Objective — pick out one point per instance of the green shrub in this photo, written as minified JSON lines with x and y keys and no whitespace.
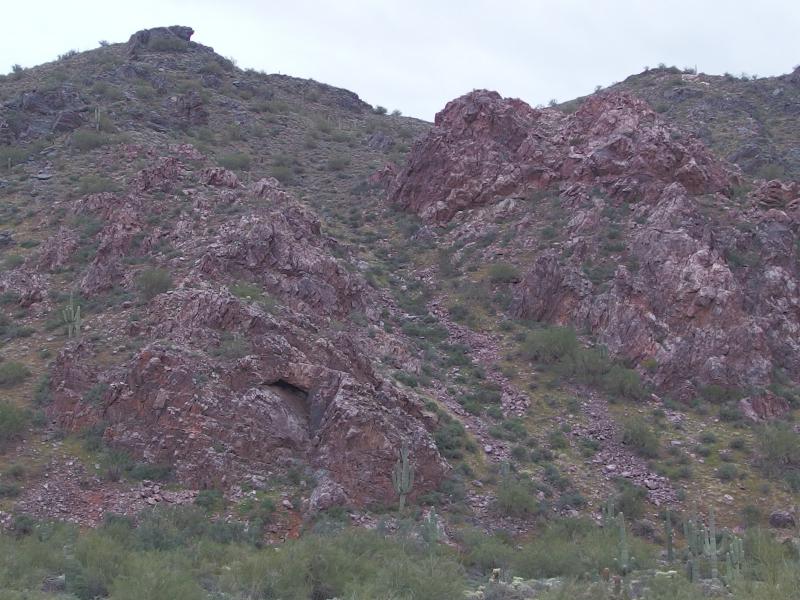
{"x":93,"y":184}
{"x":338,"y":163}
{"x":89,"y":139}
{"x":503,"y":273}
{"x":210,"y":500}
{"x":640,"y":436}
{"x":624,"y":383}
{"x":235,"y":160}
{"x":153,"y":282}
{"x":13,"y":421}
{"x":550,"y":345}
{"x":486,"y":552}
{"x":575,"y":548}
{"x":12,"y":373}
{"x":516,"y":498}
{"x":150,"y":576}
{"x":779,"y":447}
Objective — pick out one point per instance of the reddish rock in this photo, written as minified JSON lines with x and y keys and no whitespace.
{"x":219,"y":177}
{"x":764,"y":407}
{"x":58,"y":250}
{"x":777,"y":194}
{"x":679,"y":289}
{"x":280,"y":245}
{"x":484,"y":147}
{"x":159,"y":177}
{"x":219,"y":420}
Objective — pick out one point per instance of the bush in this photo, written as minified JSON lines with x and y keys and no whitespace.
{"x":12,"y":373}
{"x":87,"y":139}
{"x":13,"y":421}
{"x":550,"y":345}
{"x":638,"y":435}
{"x":93,"y":184}
{"x":153,"y":282}
{"x":235,"y":160}
{"x":779,"y":447}
{"x":486,"y":552}
{"x":516,"y":498}
{"x":727,"y":472}
{"x":576,"y":548}
{"x":624,"y":383}
{"x":503,"y":273}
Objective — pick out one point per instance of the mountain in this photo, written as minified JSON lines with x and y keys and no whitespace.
{"x":260,"y":296}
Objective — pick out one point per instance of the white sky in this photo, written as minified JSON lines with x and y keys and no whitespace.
{"x":415,"y":55}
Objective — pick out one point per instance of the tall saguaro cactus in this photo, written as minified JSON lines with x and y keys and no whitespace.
{"x":403,"y":476}
{"x":668,"y":535}
{"x":710,"y":545}
{"x":72,"y":318}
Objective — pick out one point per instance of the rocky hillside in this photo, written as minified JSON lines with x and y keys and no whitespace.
{"x":748,"y":120}
{"x":283,"y":291}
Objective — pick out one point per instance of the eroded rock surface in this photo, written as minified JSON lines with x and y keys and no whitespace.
{"x":650,"y":257}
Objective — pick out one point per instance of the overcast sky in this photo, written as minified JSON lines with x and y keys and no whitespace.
{"x":415,"y":55}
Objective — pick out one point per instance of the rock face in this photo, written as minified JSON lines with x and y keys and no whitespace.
{"x":159,"y":38}
{"x":484,"y":148}
{"x":34,"y":114}
{"x":266,"y":399}
{"x":226,"y":387}
{"x":649,"y":256}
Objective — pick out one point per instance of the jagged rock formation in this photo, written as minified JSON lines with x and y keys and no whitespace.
{"x":678,"y":293}
{"x":223,"y":389}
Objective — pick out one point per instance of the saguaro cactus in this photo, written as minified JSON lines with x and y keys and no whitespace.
{"x":403,"y":476}
{"x":72,"y":318}
{"x":710,"y":545}
{"x":668,"y":535}
{"x":624,"y":560}
{"x":608,"y":513}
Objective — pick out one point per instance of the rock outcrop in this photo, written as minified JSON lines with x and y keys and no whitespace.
{"x":485,"y":148}
{"x":650,"y":258}
{"x":229,"y":391}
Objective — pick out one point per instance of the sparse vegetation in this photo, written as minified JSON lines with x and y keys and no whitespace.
{"x":153,"y":282}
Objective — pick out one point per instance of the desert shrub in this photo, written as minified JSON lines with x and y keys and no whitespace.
{"x":486,"y":552}
{"x":575,"y":548}
{"x":503,"y":273}
{"x":88,"y":139}
{"x":210,"y":500}
{"x":232,"y":347}
{"x":630,"y":499}
{"x":551,"y":344}
{"x":779,"y":449}
{"x":623,"y":382}
{"x":235,"y":160}
{"x":727,"y":472}
{"x":451,"y":437}
{"x":94,"y":395}
{"x":338,"y":163}
{"x":354,"y":563}
{"x":380,"y":110}
{"x":12,"y":155}
{"x":516,"y":497}
{"x":153,"y":282}
{"x":12,"y":373}
{"x":718,"y":394}
{"x":637,"y":434}
{"x":151,"y":576}
{"x":93,"y":184}
{"x":149,"y":471}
